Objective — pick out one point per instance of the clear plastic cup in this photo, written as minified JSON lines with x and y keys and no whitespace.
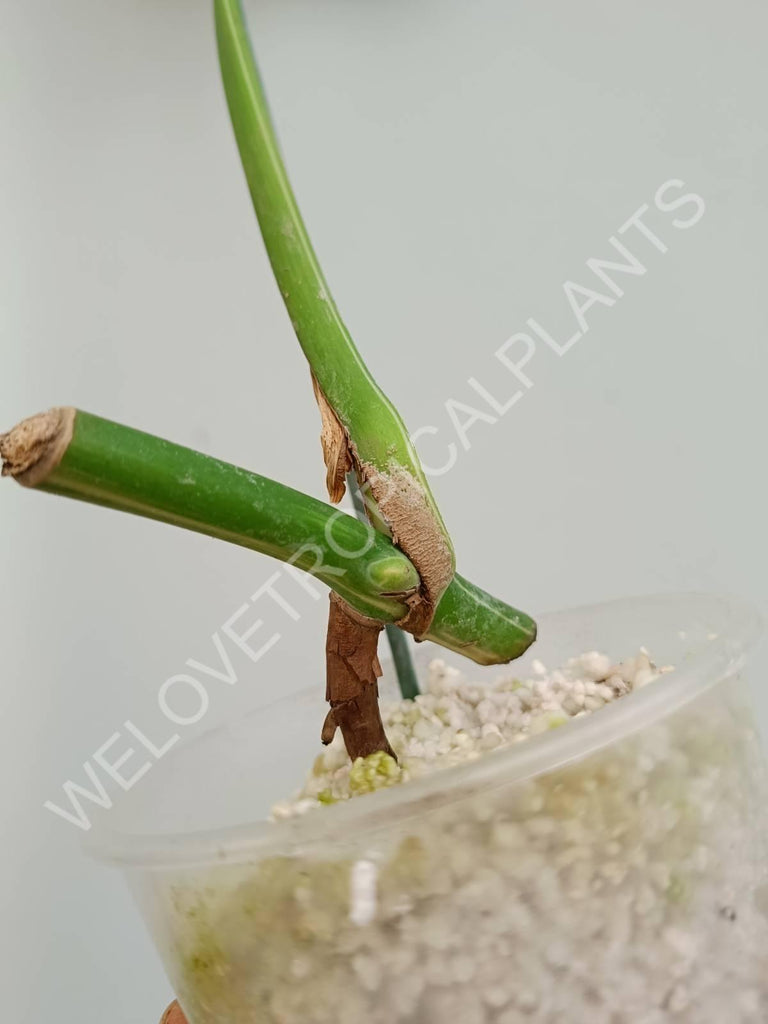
{"x":611,"y":871}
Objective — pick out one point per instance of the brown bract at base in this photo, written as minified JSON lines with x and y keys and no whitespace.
{"x":403,"y":505}
{"x":352,"y":687}
{"x":336,"y":454}
{"x":35,"y":447}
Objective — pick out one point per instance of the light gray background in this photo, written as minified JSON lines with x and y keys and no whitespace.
{"x":457,"y":163}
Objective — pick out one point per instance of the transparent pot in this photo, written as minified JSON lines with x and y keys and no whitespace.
{"x":611,"y":871}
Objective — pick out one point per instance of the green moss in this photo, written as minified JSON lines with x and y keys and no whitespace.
{"x":377,"y":771}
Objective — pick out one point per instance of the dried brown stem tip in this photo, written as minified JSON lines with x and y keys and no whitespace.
{"x":352,"y":689}
{"x":35,"y":447}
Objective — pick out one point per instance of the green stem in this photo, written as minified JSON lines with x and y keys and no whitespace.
{"x":380,"y":438}
{"x":399,"y":644}
{"x":125,"y":469}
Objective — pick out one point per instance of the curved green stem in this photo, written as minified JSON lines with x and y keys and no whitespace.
{"x":370,"y":420}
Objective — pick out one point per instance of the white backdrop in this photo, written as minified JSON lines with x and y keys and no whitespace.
{"x":457,"y":163}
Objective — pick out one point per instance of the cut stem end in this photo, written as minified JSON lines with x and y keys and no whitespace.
{"x":35,"y":447}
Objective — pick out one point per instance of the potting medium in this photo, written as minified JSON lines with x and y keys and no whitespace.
{"x":569,"y":840}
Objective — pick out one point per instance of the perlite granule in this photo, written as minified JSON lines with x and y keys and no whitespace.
{"x":628,"y":887}
{"x":457,"y":721}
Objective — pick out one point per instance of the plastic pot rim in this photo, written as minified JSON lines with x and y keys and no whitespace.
{"x":326,"y":828}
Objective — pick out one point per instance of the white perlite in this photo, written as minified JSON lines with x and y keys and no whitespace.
{"x":628,"y":888}
{"x":457,"y":721}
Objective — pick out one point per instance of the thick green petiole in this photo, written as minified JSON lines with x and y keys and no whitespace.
{"x":372,"y":435}
{"x":82,"y":456}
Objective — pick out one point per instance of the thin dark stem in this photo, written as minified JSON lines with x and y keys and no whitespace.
{"x":398,"y":642}
{"x":401,"y":656}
